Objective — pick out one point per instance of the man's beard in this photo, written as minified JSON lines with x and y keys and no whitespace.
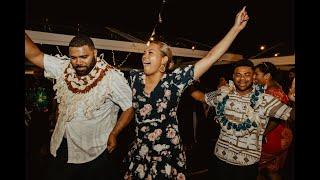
{"x":243,"y":90}
{"x":85,"y":70}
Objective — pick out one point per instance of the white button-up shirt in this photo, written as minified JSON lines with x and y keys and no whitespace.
{"x":86,"y":119}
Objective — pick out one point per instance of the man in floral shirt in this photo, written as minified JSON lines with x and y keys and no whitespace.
{"x":90,"y":93}
{"x":242,"y":111}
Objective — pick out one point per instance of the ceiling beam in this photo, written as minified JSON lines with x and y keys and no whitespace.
{"x":286,"y":68}
{"x":283,"y":62}
{"x":107,"y":44}
{"x":278,"y":61}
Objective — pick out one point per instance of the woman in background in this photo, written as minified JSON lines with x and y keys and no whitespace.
{"x":278,"y":135}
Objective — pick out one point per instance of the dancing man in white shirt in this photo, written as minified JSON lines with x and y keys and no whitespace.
{"x":90,"y":93}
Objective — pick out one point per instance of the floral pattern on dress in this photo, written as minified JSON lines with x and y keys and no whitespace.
{"x":157,"y":152}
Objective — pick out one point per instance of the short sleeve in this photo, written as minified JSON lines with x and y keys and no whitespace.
{"x":54,"y":66}
{"x":183,"y":77}
{"x":275,"y":108}
{"x":121,"y":93}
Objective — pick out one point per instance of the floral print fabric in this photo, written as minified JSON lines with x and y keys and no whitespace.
{"x":157,"y":152}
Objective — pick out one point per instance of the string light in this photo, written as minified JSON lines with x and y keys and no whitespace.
{"x":49,"y":28}
{"x":160,"y":19}
{"x":125,"y":59}
{"x":262,"y":48}
{"x":113,"y":59}
{"x":78,"y":29}
{"x":151,"y":37}
{"x":193,"y":47}
{"x":158,"y":22}
{"x":276,"y":54}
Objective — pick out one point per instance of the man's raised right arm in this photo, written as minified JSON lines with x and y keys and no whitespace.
{"x":32,"y":52}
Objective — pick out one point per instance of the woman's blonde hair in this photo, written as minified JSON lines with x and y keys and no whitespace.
{"x":166,"y":51}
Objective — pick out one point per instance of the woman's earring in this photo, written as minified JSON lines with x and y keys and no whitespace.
{"x":162,"y":68}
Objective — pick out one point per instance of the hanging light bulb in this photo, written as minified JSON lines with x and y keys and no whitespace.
{"x":153,"y":32}
{"x":193,"y":47}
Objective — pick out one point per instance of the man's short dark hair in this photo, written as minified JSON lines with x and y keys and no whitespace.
{"x":243,"y":62}
{"x":81,"y":40}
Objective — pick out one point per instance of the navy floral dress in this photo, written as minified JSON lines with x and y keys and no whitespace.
{"x":157,"y":152}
